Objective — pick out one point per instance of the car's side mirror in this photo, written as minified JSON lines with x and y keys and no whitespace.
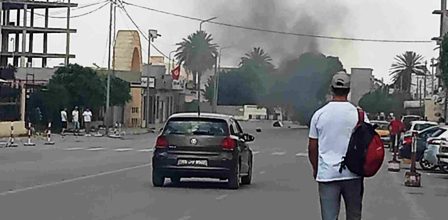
{"x":248,"y":137}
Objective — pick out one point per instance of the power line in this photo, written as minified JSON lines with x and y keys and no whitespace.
{"x":76,"y":16}
{"x":279,"y":32}
{"x":139,"y":30}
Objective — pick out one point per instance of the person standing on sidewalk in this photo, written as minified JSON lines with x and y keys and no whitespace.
{"x":87,"y":114}
{"x":396,"y":126}
{"x":75,"y":120}
{"x":64,"y":121}
{"x":330,"y":131}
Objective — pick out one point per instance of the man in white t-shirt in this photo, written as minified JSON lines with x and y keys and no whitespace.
{"x":330,"y":131}
{"x":75,"y":120}
{"x":87,"y":114}
{"x":64,"y":121}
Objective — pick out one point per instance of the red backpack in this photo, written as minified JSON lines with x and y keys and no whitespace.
{"x":365,"y":153}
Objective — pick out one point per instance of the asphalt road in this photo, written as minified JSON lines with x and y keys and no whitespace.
{"x":102,"y":178}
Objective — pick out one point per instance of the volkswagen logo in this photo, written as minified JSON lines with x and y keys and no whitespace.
{"x":194,"y":141}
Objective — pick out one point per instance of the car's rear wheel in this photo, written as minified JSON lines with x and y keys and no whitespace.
{"x":234,"y":178}
{"x":157,"y":179}
{"x":444,"y":168}
{"x":426,"y":165}
{"x":246,"y":180}
{"x":175,"y":179}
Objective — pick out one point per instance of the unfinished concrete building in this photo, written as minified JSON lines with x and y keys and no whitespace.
{"x":18,"y":19}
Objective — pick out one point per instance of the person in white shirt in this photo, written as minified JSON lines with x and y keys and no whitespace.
{"x":64,"y":121}
{"x":330,"y":131}
{"x":87,"y":114}
{"x":75,"y":120}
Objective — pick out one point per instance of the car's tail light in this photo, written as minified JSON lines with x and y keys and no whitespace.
{"x":434,"y":141}
{"x":161,"y":142}
{"x":228,"y":143}
{"x":407,"y":140}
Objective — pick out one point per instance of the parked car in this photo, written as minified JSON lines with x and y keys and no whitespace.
{"x":442,"y":156}
{"x":407,"y":119}
{"x":422,"y":142}
{"x":382,"y":128}
{"x":208,"y":146}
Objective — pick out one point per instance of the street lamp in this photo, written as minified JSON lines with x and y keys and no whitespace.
{"x":152,"y":35}
{"x":205,"y":21}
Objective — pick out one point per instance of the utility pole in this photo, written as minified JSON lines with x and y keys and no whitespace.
{"x":67,"y":46}
{"x":152,"y":34}
{"x":107,"y":118}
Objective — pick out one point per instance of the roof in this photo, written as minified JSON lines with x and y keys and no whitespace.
{"x":424,"y":122}
{"x":202,"y":115}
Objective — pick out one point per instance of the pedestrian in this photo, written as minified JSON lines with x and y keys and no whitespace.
{"x":330,"y":131}
{"x":396,"y":126}
{"x":87,"y":114}
{"x":75,"y":120}
{"x":64,"y":121}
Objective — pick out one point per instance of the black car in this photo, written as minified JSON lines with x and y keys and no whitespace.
{"x":206,"y":146}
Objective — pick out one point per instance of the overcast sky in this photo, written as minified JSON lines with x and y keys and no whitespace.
{"x":377,"y":19}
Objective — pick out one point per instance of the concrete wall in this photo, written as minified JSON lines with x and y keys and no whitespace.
{"x":19,"y":128}
{"x":133,"y":109}
{"x":255,"y":112}
{"x":361,"y":83}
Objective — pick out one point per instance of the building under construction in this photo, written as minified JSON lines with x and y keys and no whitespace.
{"x":18,"y":19}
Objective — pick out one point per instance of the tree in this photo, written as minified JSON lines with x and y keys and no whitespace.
{"x":75,"y":85}
{"x":259,"y":58}
{"x":405,"y":65}
{"x":381,"y":101}
{"x":197,"y":53}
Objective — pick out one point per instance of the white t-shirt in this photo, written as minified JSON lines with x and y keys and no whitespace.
{"x":87,"y":116}
{"x":63,"y":116}
{"x":333,"y":125}
{"x":75,"y":115}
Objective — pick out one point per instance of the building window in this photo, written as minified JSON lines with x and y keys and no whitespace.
{"x":134,"y":122}
{"x":134,"y":109}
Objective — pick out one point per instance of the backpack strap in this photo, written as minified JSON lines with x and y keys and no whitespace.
{"x":360,"y":116}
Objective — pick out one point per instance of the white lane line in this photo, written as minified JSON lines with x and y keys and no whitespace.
{"x":221,"y":197}
{"x":255,"y":152}
{"x":96,"y":149}
{"x":262,"y":172}
{"x":74,"y":148}
{"x":185,"y":217}
{"x":302,"y":154}
{"x":279,"y":153}
{"x":123,"y":149}
{"x":146,"y":150}
{"x":73,"y":180}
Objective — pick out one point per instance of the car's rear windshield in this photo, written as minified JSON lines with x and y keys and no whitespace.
{"x":419,"y":127}
{"x":438,"y":132}
{"x":196,"y":126}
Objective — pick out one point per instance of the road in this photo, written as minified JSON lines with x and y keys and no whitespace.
{"x":102,"y":178}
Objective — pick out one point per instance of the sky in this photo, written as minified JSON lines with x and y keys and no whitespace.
{"x":373,"y":19}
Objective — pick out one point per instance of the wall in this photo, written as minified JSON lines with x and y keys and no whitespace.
{"x":133,"y":109}
{"x":361,"y":83}
{"x":255,"y":112}
{"x":19,"y":128}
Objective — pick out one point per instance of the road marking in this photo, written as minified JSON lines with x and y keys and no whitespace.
{"x":74,"y":148}
{"x":302,"y":154}
{"x":123,"y":149}
{"x":262,"y":172}
{"x":221,"y":197}
{"x":73,"y":180}
{"x":279,"y":153}
{"x":255,"y":152}
{"x":96,"y":149}
{"x":185,"y":217}
{"x":146,"y":150}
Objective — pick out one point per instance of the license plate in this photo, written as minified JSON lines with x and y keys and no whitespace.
{"x":187,"y":162}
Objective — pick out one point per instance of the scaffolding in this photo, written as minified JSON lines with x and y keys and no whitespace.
{"x":22,"y":30}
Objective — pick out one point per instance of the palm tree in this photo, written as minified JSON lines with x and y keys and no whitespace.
{"x":405,"y":65}
{"x":257,"y":57}
{"x":197,"y":53}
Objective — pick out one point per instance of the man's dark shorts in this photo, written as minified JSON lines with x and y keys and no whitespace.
{"x":64,"y":124}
